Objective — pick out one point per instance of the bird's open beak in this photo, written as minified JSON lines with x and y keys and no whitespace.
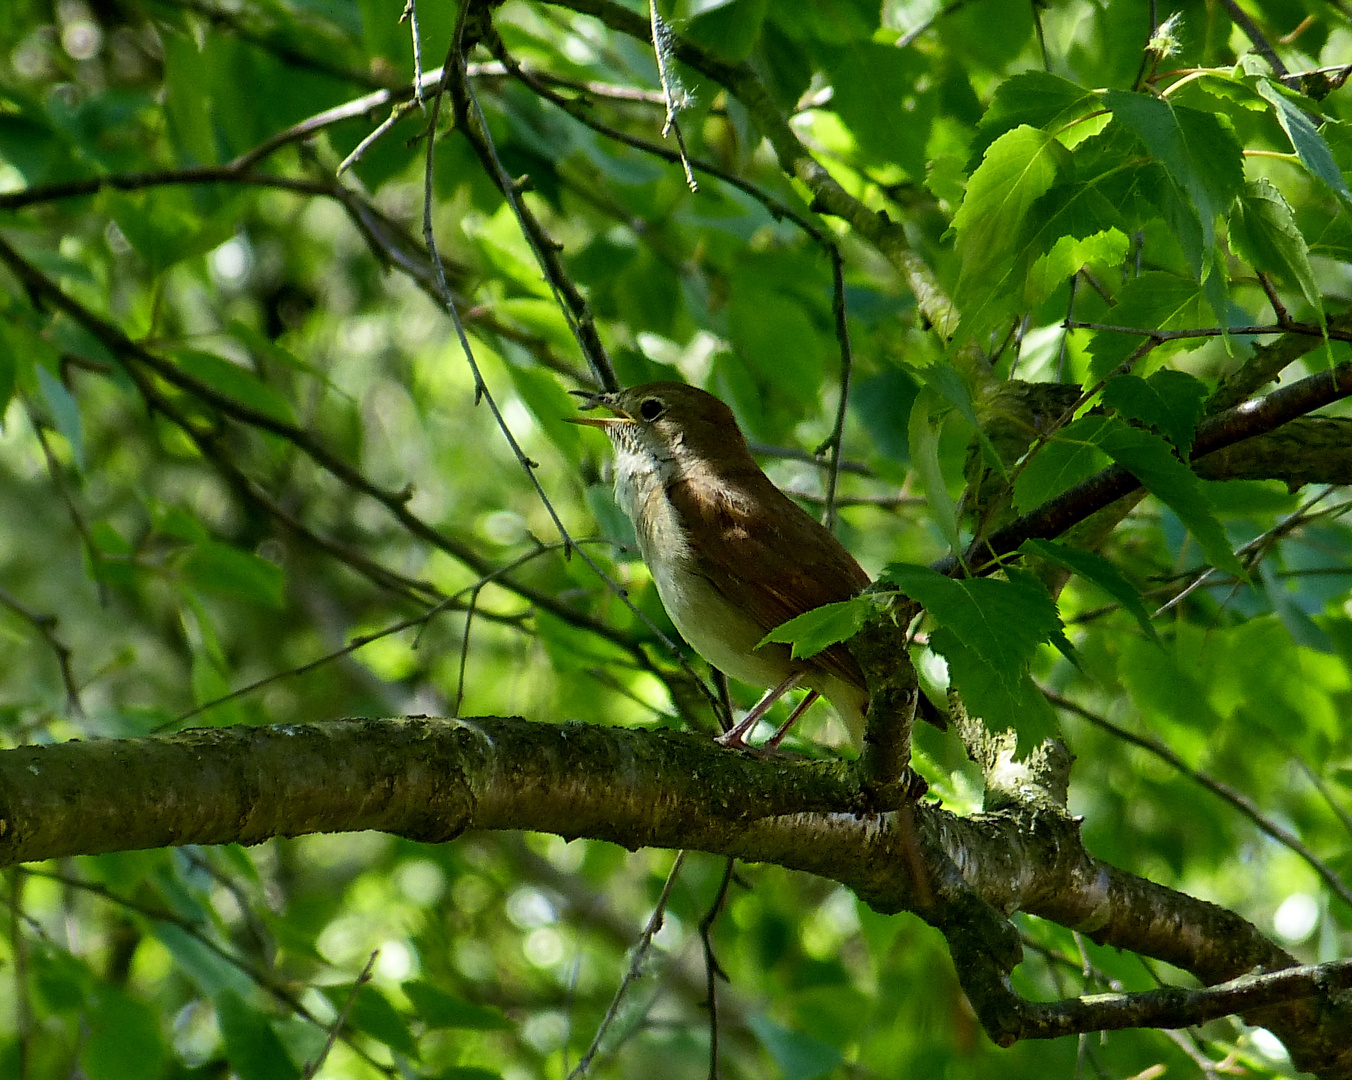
{"x":594,"y":401}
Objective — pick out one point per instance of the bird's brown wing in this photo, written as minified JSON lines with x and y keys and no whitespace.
{"x":789,"y":579}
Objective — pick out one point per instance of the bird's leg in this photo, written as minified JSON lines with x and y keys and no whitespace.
{"x":803,"y":707}
{"x":736,"y":737}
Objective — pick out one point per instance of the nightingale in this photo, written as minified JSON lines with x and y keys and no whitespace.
{"x":732,"y":556}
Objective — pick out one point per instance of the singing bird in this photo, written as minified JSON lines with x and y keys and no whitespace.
{"x":733,"y":557}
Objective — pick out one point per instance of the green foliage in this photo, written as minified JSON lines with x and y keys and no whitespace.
{"x":1026,"y":206}
{"x":821,"y":627}
{"x":989,"y":631}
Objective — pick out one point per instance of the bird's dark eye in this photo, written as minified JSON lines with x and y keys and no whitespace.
{"x":650,"y":409}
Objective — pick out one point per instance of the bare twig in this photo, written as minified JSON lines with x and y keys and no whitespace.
{"x":713,"y":971}
{"x":673,"y":94}
{"x":836,"y":438}
{"x":1259,"y":543}
{"x":45,"y":625}
{"x":335,"y":1029}
{"x":635,"y":972}
{"x":1260,"y":43}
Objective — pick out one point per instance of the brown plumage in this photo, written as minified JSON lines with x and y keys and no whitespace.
{"x":733,"y":556}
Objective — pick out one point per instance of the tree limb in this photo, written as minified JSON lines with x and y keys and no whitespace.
{"x":433,"y":780}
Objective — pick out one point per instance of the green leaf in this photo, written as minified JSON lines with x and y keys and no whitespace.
{"x":870,"y":82}
{"x":776,"y":337}
{"x":1309,"y":144}
{"x":62,"y":980}
{"x":208,"y":969}
{"x":438,"y":1009}
{"x":993,"y":223}
{"x":1002,"y":702}
{"x":815,"y":630}
{"x":947,"y":381}
{"x":124,"y":1040}
{"x":372,"y":1013}
{"x":1199,"y":151}
{"x":1098,"y":570}
{"x":1170,"y":401}
{"x":1265,"y":233}
{"x":164,"y":227}
{"x":236,"y":382}
{"x":1002,"y":622}
{"x":1153,"y":462}
{"x":1035,"y":99}
{"x":1067,"y":255}
{"x":925,"y":426}
{"x":1153,"y":301}
{"x":65,"y":413}
{"x":265,"y":346}
{"x":1069,"y":456}
{"x":228,"y":570}
{"x":797,"y":1055}
{"x":251,"y":1046}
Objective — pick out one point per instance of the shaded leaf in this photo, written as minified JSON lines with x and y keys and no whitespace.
{"x":1265,"y":233}
{"x":924,"y":428}
{"x":1310,"y":147}
{"x":1153,"y":301}
{"x":124,"y":1040}
{"x":1172,"y":402}
{"x":438,"y":1009}
{"x":797,"y":1055}
{"x":251,"y":1046}
{"x":1098,"y":570}
{"x":65,"y":413}
{"x":225,"y":569}
{"x":236,"y":382}
{"x":372,"y":1014}
{"x":1069,"y":456}
{"x":1000,"y":701}
{"x":1198,"y":150}
{"x":1153,"y":462}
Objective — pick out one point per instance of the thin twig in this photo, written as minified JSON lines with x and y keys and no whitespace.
{"x":481,"y":391}
{"x":260,"y":978}
{"x":359,"y":151}
{"x":312,"y":1068}
{"x":1257,"y":544}
{"x":362,"y":640}
{"x":713,"y":970}
{"x":1291,"y":327}
{"x":837,"y":436}
{"x":672,"y":92}
{"x":1260,"y":42}
{"x":635,"y":971}
{"x":45,"y":625}
{"x":584,"y":329}
{"x":411,"y":13}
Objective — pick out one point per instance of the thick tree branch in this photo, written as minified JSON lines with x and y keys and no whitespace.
{"x":1259,"y":416}
{"x":433,"y":780}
